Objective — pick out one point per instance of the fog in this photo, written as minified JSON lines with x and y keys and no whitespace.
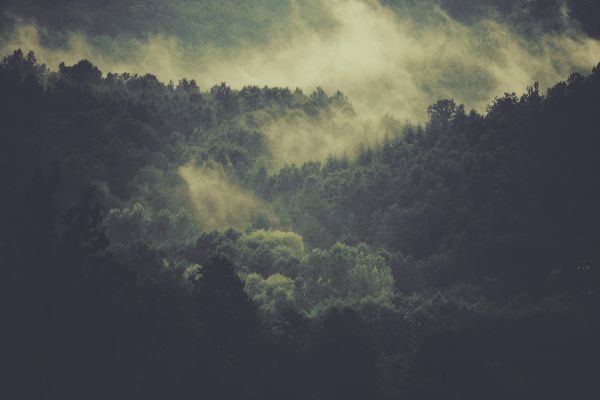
{"x":386,"y":62}
{"x":391,"y":63}
{"x":218,"y":202}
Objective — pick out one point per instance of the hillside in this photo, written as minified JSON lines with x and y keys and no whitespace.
{"x":160,"y":240}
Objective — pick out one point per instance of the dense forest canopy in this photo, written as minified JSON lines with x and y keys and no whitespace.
{"x":165,"y":238}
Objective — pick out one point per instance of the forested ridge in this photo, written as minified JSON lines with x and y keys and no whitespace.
{"x":454,"y":259}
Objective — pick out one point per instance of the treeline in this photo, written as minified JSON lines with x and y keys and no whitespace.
{"x":508,"y":197}
{"x":121,"y":131}
{"x":456,"y":259}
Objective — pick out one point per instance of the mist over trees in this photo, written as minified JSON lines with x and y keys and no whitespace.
{"x":390,"y":57}
{"x":454,"y":259}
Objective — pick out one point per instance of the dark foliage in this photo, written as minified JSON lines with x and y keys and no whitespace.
{"x":488,"y":222}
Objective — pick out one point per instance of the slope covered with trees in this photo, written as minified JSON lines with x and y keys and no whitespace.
{"x":455,"y":259}
{"x":509,"y":195}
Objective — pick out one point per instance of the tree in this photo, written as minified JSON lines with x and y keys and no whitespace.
{"x":344,"y":275}
{"x":345,"y":359}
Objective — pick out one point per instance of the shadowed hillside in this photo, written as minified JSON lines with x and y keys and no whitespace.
{"x":158,"y":241}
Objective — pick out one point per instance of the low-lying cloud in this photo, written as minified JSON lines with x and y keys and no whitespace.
{"x":385,"y":62}
{"x":388,"y":62}
{"x":218,"y":202}
{"x":296,"y":137}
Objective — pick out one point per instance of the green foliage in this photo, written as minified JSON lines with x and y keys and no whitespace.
{"x":457,"y":259}
{"x":271,"y":294}
{"x":128,"y":134}
{"x":165,"y":228}
{"x":504,"y":196}
{"x":344,"y":275}
{"x":271,"y":252}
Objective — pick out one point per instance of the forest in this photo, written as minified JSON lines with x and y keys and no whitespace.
{"x":457,"y":258}
{"x":170,"y":239}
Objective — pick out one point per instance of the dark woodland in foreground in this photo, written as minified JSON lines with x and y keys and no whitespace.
{"x":458,"y":259}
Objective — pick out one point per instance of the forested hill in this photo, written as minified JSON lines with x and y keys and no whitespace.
{"x":156,"y":245}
